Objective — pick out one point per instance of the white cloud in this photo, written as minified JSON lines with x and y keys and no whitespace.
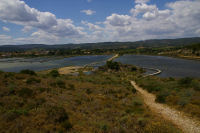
{"x":118,"y":20}
{"x":27,"y":29}
{"x":141,"y":1}
{"x":18,"y":12}
{"x":179,"y":19}
{"x":146,"y":21}
{"x":88,"y":12}
{"x":91,"y":26}
{"x":89,"y":0}
{"x":6,"y":29}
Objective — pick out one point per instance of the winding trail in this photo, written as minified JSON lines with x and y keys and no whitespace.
{"x":158,"y":71}
{"x":186,"y":124}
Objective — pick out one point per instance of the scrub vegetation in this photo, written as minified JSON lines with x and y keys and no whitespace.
{"x":182,"y":94}
{"x":102,"y":102}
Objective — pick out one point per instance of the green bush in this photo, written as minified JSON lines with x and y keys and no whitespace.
{"x":44,"y":89}
{"x":32,"y":80}
{"x":185,"y":81}
{"x":113,"y":65}
{"x":134,"y":90}
{"x":54,"y":73}
{"x":66,"y":125}
{"x":88,"y":91}
{"x":160,"y":98}
{"x":71,"y":87}
{"x":57,"y":114}
{"x":196,"y":85}
{"x":60,"y":84}
{"x":25,"y":92}
{"x":29,"y":72}
{"x":13,"y":114}
{"x":133,"y":68}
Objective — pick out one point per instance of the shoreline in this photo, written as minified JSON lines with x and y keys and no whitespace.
{"x":75,"y":69}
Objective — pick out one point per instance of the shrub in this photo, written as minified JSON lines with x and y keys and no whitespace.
{"x":66,"y":125}
{"x":25,"y":92}
{"x":185,"y":81}
{"x":134,"y":90}
{"x":113,"y":65}
{"x":60,"y":84}
{"x":29,"y":72}
{"x":71,"y":87}
{"x":133,"y":68}
{"x":54,"y":73}
{"x":88,"y":91}
{"x":13,"y":114}
{"x":32,"y":80}
{"x":160,"y":98}
{"x":58,"y":114}
{"x":1,"y":72}
{"x":44,"y":89}
{"x":196,"y":85}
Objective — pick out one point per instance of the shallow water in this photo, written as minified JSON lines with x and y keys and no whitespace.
{"x":39,"y":64}
{"x":171,"y":67}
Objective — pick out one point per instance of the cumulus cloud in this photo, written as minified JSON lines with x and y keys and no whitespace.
{"x":118,"y":20}
{"x":89,"y":0}
{"x":18,"y":12}
{"x":5,"y":29}
{"x":145,"y":21}
{"x":179,"y":19}
{"x":141,"y":1}
{"x":88,"y":12}
{"x":91,"y":26}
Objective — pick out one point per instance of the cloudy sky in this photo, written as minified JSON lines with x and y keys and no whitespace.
{"x":80,"y":21}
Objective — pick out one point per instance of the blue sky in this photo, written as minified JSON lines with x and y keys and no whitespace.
{"x":80,"y":21}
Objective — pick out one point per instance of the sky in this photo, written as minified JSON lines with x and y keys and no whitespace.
{"x":88,"y":21}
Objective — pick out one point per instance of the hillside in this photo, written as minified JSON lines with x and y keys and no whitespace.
{"x":104,"y":45}
{"x":103,"y":102}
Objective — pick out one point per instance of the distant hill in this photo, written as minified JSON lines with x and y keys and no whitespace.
{"x":104,"y":45}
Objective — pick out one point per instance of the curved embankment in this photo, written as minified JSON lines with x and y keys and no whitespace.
{"x":110,"y":59}
{"x":186,"y":124}
{"x":153,"y":74}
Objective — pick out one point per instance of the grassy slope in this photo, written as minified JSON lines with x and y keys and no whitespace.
{"x":182,"y":94}
{"x":101,"y":102}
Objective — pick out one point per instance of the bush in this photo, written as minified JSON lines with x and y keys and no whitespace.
{"x":66,"y":125}
{"x":185,"y":81}
{"x":60,"y":84}
{"x":133,"y":68}
{"x":134,"y":90}
{"x":44,"y":89}
{"x":13,"y":114}
{"x":25,"y":92}
{"x":113,"y":65}
{"x":58,"y":114}
{"x":33,"y":80}
{"x":54,"y":73}
{"x":29,"y":72}
{"x":196,"y":85}
{"x":71,"y":87}
{"x":160,"y":98}
{"x":88,"y":91}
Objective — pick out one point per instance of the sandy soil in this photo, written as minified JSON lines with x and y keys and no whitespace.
{"x":185,"y":123}
{"x":69,"y":70}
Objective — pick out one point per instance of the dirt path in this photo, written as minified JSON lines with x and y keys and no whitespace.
{"x":112,"y":58}
{"x":188,"y":125}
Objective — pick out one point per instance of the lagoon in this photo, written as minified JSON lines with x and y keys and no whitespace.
{"x":170,"y":67}
{"x":45,"y":63}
